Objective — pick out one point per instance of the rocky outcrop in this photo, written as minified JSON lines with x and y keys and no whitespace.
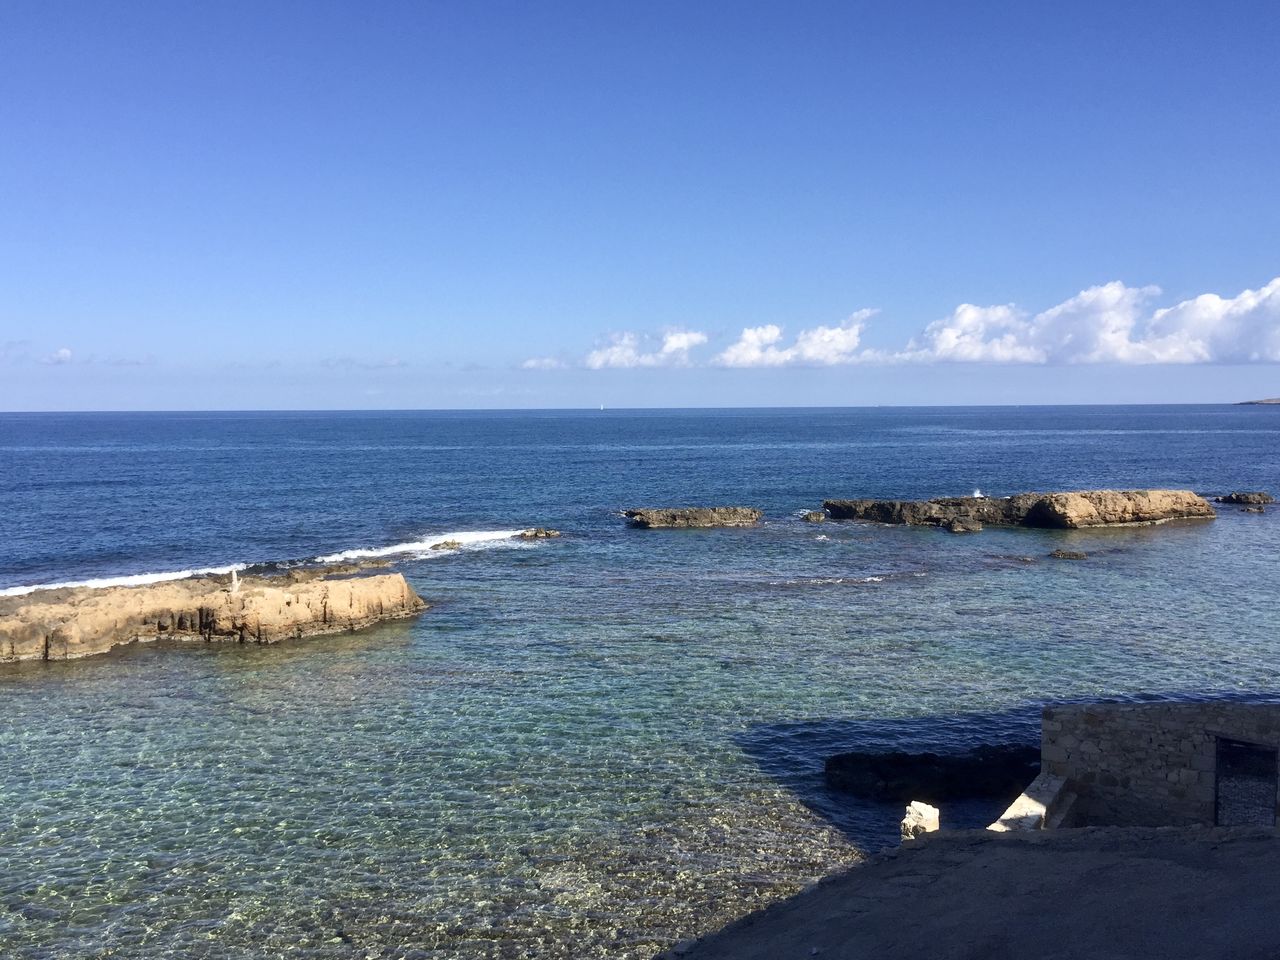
{"x":1085,"y":508}
{"x":76,"y":622}
{"x":693,"y":517}
{"x":538,"y":533}
{"x":988,"y":771}
{"x":813,"y":516}
{"x":1252,"y":497}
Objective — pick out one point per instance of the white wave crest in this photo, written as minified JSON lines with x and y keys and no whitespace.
{"x":464,"y":538}
{"x":130,"y":580}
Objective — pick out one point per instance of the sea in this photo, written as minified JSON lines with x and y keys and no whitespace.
{"x":590,"y":746}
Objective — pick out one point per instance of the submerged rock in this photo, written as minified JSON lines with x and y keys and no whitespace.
{"x":1085,"y":508}
{"x":814,"y":516}
{"x":1252,"y":510}
{"x":447,"y":545}
{"x":958,"y":525}
{"x":693,"y":517}
{"x":1247,"y":496}
{"x":987,"y":771}
{"x":1069,"y":555}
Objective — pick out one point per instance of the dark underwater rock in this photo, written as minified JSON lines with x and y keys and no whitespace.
{"x":1247,"y":496}
{"x":987,"y":771}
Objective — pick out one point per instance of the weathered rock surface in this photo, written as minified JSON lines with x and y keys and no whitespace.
{"x":693,"y":517}
{"x":814,"y":516}
{"x":78,"y":622}
{"x":1247,"y":496}
{"x":988,"y":771}
{"x":958,"y":525}
{"x":919,"y":819}
{"x":538,"y":533}
{"x":1085,"y":508}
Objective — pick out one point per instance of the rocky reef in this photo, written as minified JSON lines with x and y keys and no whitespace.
{"x":1251,"y":497}
{"x":987,"y":771}
{"x":693,"y":517}
{"x":1085,"y":508}
{"x":67,"y":623}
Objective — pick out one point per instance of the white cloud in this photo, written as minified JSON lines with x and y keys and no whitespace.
{"x":1110,"y":324}
{"x":60,"y":356}
{"x":626,"y":351}
{"x":817,"y":346}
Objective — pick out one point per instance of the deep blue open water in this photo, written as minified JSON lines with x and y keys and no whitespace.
{"x":591,"y":746}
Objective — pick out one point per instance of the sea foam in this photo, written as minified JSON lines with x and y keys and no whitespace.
{"x":464,"y":538}
{"x":130,"y":580}
{"x":428,"y":546}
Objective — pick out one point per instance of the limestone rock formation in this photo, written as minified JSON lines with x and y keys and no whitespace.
{"x":538,"y":533}
{"x":78,"y":622}
{"x":1085,"y":508}
{"x":920,"y":818}
{"x":960,"y":525}
{"x":814,"y":516}
{"x":1252,"y":497}
{"x":693,"y":517}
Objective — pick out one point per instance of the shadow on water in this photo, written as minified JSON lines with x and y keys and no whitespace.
{"x":793,"y":754}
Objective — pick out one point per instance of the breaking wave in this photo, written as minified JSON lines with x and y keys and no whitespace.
{"x":428,"y":546}
{"x":463,"y":538}
{"x":130,"y":580}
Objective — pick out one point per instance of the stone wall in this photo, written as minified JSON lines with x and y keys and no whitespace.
{"x":1147,"y":764}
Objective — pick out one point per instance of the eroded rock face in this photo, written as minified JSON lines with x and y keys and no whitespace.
{"x":1085,"y":508}
{"x":69,"y":623}
{"x":1247,"y":496}
{"x":920,"y":818}
{"x":693,"y":517}
{"x":988,"y":771}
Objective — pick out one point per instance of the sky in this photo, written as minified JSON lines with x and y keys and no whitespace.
{"x":320,"y":205}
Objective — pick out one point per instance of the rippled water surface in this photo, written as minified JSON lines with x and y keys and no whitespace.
{"x":591,"y":746}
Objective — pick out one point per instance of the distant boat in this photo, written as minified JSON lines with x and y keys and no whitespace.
{"x":602,"y":406}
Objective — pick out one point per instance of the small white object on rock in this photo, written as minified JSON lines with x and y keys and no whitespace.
{"x":920,"y":819}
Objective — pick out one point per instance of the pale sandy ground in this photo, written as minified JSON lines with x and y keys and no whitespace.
{"x":1100,"y":893}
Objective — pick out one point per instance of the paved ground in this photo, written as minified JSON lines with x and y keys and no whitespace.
{"x":1098,"y":893}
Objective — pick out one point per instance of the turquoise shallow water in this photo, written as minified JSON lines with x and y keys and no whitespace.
{"x":589,"y":746}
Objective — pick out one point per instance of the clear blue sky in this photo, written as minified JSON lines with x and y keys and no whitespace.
{"x":314,"y":204}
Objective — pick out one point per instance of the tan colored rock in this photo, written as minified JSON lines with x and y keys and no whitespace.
{"x":1085,"y":508}
{"x":79,"y":622}
{"x":921,"y":818}
{"x":1094,"y":508}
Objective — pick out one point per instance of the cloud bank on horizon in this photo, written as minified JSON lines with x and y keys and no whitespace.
{"x":1111,"y":323}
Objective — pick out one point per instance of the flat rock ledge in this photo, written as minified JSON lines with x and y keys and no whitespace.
{"x":693,"y":517}
{"x":1084,"y":508}
{"x":68,"y":623}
